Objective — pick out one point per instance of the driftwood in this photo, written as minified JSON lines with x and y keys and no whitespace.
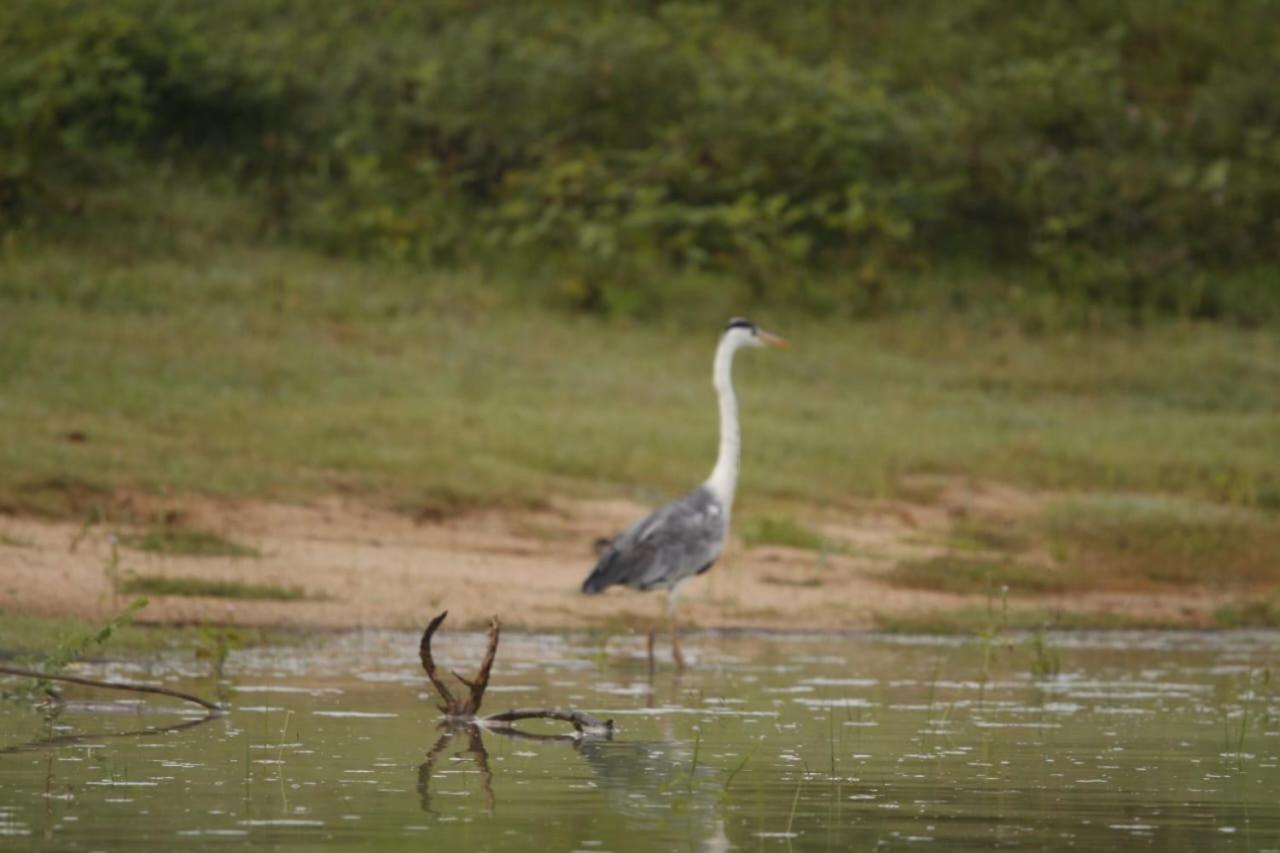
{"x":465,"y":710}
{"x":452,"y":706}
{"x":582,"y":722}
{"x":460,"y":717}
{"x":113,"y":685}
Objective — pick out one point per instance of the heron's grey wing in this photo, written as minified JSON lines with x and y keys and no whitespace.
{"x":675,"y":542}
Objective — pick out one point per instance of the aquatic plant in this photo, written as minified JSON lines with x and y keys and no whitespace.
{"x":738,"y":768}
{"x":1045,"y":661}
{"x":76,"y":645}
{"x":991,"y":633}
{"x":215,"y":645}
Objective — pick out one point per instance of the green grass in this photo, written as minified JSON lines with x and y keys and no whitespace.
{"x":60,"y":496}
{"x":981,"y":535}
{"x":802,"y":583}
{"x":187,"y":542}
{"x":980,"y":620}
{"x":1163,"y":539}
{"x":1101,"y":541}
{"x":1246,"y":613}
{"x":25,"y":635}
{"x":970,"y":575}
{"x":784,"y":532}
{"x":201,"y":362}
{"x":199,"y":587}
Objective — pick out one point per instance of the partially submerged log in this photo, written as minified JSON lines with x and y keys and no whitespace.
{"x":452,"y":706}
{"x":112,"y":685}
{"x":582,"y":722}
{"x":464,"y":710}
{"x":460,"y":716}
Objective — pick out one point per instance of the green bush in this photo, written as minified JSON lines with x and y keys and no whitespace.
{"x":1118,"y":155}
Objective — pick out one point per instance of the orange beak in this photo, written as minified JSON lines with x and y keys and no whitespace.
{"x":772,"y":340}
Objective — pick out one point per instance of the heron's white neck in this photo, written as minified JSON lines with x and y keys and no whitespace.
{"x":724,"y":477}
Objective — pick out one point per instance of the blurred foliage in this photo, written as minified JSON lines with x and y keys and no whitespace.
{"x":1122,"y":154}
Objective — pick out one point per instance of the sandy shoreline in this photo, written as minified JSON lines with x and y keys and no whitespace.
{"x":371,"y":568}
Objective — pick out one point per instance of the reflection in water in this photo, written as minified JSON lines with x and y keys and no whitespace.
{"x":627,"y":772}
{"x":686,"y":801}
{"x":51,"y":741}
{"x":476,"y":751}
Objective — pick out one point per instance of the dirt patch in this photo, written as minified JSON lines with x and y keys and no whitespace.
{"x":367,"y":567}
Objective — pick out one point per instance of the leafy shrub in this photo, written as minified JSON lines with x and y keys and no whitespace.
{"x":1116,"y":155}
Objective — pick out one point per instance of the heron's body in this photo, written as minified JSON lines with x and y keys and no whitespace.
{"x":675,"y":542}
{"x":685,"y":537}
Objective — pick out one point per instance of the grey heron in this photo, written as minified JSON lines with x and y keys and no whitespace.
{"x":684,"y":538}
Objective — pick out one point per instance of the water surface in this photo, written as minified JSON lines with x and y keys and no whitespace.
{"x":1146,"y":741}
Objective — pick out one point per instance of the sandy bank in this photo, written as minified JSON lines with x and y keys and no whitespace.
{"x":367,"y":567}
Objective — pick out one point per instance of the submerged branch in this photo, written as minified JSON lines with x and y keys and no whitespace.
{"x":460,"y":716}
{"x":582,"y":721}
{"x":112,"y":685}
{"x":429,"y":664}
{"x":482,"y":675}
{"x":460,"y":711}
{"x":454,"y":707}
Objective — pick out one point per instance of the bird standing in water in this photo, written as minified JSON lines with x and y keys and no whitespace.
{"x":682,"y":539}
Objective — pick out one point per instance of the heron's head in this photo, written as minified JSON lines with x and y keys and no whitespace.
{"x":744,"y":333}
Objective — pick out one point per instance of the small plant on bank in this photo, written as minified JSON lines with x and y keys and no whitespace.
{"x":950,"y":573}
{"x":187,"y":542}
{"x":199,"y":587}
{"x":73,"y":647}
{"x":787,"y":533}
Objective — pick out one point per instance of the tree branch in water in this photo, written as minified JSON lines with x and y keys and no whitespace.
{"x":582,"y":721}
{"x":112,"y":685}
{"x":465,"y":710}
{"x":454,"y":707}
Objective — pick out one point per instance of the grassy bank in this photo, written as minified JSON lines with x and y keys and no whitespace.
{"x":33,"y":637}
{"x":233,"y":370}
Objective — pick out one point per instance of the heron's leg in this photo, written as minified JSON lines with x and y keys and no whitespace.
{"x":649,"y":645}
{"x":676,"y":654}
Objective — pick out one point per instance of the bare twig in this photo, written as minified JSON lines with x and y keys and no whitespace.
{"x":581,"y":721}
{"x":460,"y":711}
{"x":453,"y":706}
{"x":112,"y":685}
{"x":424,"y":652}
{"x":536,"y":737}
{"x":482,"y":676}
